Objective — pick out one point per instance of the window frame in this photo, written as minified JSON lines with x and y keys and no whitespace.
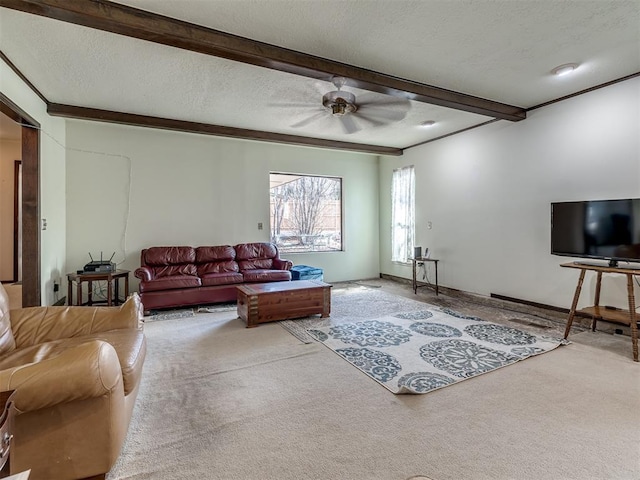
{"x":283,"y":248}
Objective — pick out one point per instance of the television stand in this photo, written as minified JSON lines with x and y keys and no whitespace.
{"x":598,"y":312}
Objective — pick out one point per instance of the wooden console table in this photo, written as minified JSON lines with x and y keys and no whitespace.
{"x":415,"y":282}
{"x":610,"y":314}
{"x":111,"y":278}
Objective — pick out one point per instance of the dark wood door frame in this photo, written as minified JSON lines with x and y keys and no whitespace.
{"x":31,"y":291}
{"x":17,"y":182}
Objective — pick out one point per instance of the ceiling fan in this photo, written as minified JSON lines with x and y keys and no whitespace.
{"x":369,"y":109}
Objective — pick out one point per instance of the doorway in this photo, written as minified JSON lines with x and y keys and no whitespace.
{"x":28,"y":179}
{"x":10,"y":155}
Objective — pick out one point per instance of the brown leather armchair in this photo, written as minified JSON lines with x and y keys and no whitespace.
{"x":76,"y":373}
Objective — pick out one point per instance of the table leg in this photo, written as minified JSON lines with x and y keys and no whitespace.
{"x":109,"y":292}
{"x":596,"y":302}
{"x":632,"y":314}
{"x":69,"y":292}
{"x":116,"y":296}
{"x":126,"y":287}
{"x":436,"y":264}
{"x":414,"y":281}
{"x":90,"y":293}
{"x":574,"y":304}
{"x":79,"y":292}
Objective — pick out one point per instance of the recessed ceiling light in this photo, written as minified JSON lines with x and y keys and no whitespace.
{"x":428,"y":124}
{"x":565,"y":69}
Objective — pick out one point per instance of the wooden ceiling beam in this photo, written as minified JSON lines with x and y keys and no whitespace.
{"x":83,"y":113}
{"x":136,"y":23}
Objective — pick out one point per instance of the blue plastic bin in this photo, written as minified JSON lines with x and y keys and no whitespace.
{"x":304,"y":272}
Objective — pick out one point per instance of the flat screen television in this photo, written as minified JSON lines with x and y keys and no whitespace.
{"x":598,"y":229}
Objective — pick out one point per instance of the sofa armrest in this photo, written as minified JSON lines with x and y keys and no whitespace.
{"x":143,"y":273}
{"x":282,"y":264}
{"x":88,"y":370}
{"x":35,"y":325}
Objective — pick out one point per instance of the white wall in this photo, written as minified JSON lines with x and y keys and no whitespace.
{"x":52,"y":175}
{"x":129,"y":188}
{"x":488,"y":191}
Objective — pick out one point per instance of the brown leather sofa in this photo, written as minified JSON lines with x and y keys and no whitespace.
{"x":180,"y":276}
{"x":76,"y":373}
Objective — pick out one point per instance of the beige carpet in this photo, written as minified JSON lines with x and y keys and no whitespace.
{"x":219,"y":401}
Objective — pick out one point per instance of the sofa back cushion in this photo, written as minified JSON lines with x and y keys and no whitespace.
{"x":251,"y":256}
{"x":7,"y":342}
{"x":217,"y":259}
{"x":170,"y":261}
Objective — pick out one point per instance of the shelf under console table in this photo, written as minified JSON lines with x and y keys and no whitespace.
{"x":598,"y":312}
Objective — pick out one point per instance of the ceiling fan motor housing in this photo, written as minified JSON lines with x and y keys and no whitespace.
{"x":340,"y":102}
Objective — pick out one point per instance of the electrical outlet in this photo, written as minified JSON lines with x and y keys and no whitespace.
{"x":56,"y":287}
{"x":259,"y":225}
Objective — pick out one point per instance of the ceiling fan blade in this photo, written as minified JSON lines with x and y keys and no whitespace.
{"x":348,"y":125}
{"x":369,"y":99}
{"x":309,"y":120}
{"x":373,"y":121}
{"x":293,"y":104}
{"x":382,"y":114}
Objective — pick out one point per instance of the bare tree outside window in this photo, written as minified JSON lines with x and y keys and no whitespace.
{"x":306,"y":212}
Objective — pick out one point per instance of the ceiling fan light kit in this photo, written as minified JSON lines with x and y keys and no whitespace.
{"x":339,"y":102}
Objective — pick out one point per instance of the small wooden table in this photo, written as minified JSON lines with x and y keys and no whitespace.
{"x":610,"y":314}
{"x":415,"y":282}
{"x":112,"y":279}
{"x":269,"y":302}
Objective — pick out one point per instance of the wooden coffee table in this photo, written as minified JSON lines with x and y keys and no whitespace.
{"x":269,"y":302}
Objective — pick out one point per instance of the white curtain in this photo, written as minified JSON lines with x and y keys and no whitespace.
{"x":402,"y":214}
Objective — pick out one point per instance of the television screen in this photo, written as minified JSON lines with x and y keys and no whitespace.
{"x":602,"y":229}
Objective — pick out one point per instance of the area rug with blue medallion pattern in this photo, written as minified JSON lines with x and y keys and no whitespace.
{"x":421,"y":351}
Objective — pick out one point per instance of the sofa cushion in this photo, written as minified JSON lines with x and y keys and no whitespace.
{"x":210,"y":279}
{"x":259,"y":275}
{"x":160,"y":256}
{"x":256,"y":264}
{"x":246,"y":251}
{"x":170,"y":283}
{"x":175,"y":270}
{"x":215,"y":254}
{"x":129,"y":345}
{"x":228,"y":266}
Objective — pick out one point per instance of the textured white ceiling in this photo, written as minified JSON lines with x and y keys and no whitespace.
{"x":501,"y":50}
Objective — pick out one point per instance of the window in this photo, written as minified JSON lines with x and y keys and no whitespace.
{"x":403,"y":216}
{"x":306,"y":213}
